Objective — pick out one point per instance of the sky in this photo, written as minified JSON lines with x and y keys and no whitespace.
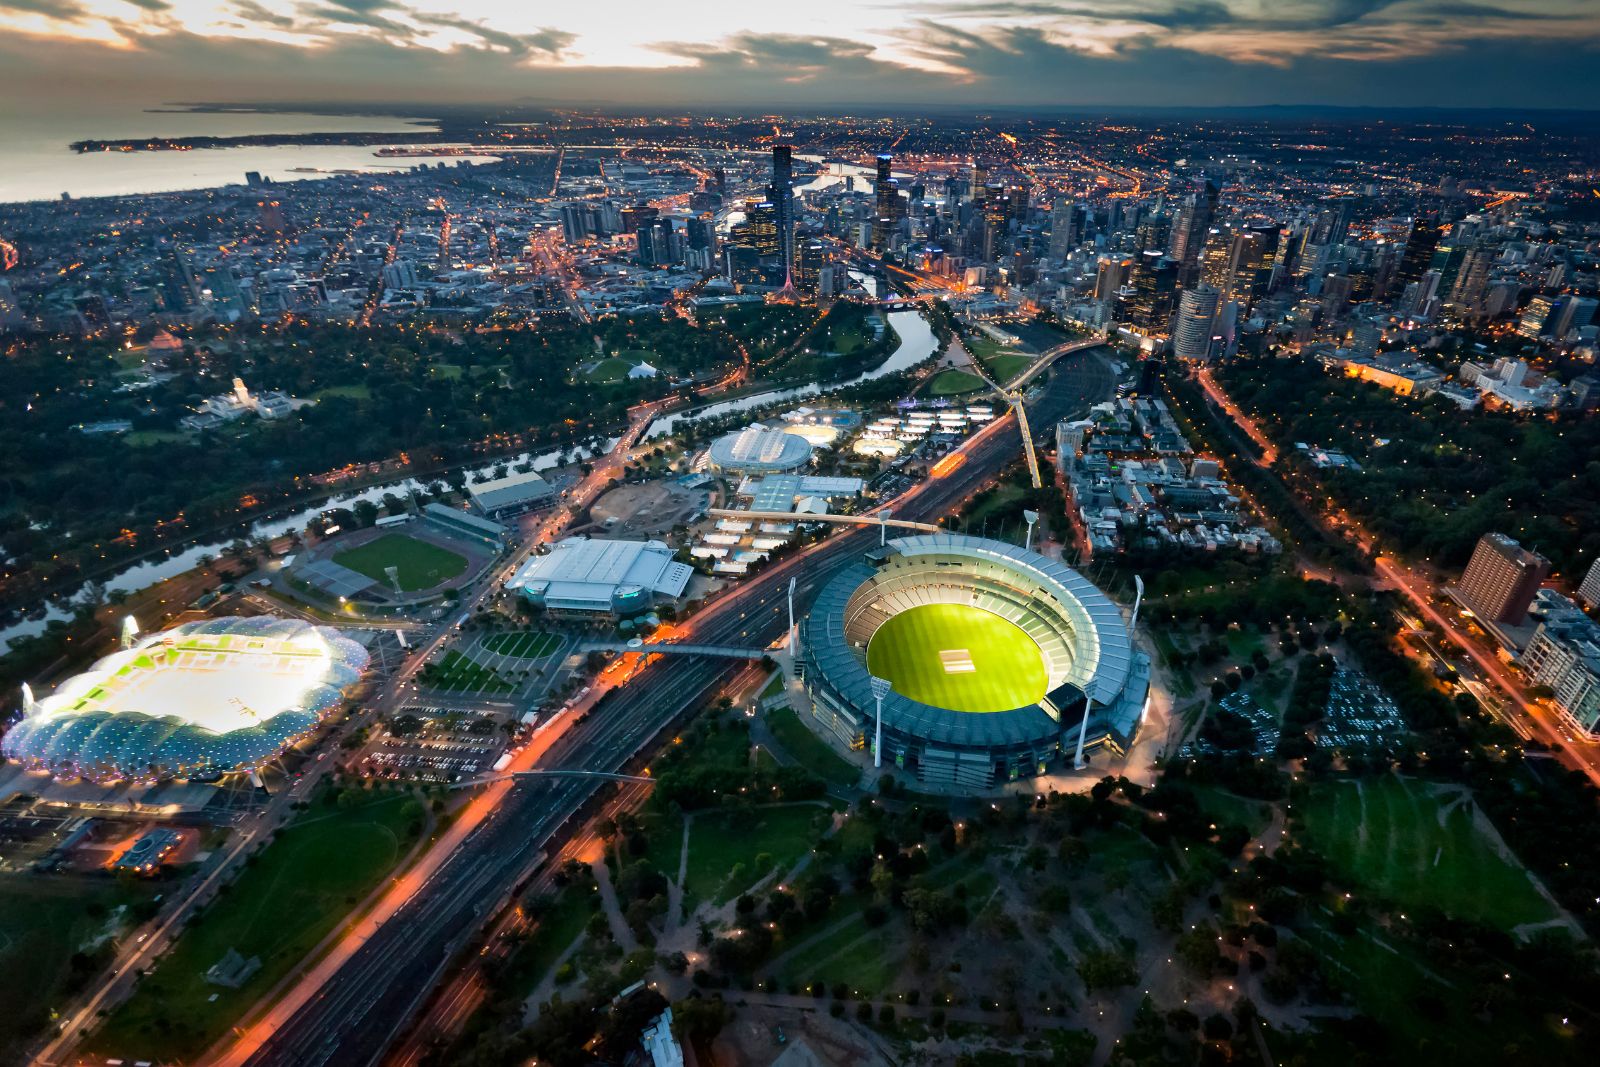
{"x":901,"y":54}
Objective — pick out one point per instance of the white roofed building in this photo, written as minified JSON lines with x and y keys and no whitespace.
{"x":579,"y":576}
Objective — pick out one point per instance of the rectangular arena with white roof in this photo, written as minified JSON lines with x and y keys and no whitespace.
{"x":579,"y":576}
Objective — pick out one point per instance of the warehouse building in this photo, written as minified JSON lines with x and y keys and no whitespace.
{"x":515,"y":494}
{"x":579,"y":576}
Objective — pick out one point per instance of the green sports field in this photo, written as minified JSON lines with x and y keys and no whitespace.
{"x":958,"y":657}
{"x":421,"y":565}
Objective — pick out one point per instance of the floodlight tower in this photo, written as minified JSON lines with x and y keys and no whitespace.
{"x":880,"y":689}
{"x":1138,"y":596}
{"x":883,"y":526}
{"x":1032,"y":518}
{"x":1083,"y":732}
{"x":793,"y":635}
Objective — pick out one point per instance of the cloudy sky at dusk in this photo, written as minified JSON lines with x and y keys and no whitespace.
{"x":1519,"y":53}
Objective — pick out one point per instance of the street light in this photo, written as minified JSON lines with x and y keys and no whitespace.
{"x":881,"y":688}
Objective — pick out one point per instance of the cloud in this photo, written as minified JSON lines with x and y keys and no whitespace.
{"x":550,"y":42}
{"x":153,"y":6}
{"x":964,"y":53}
{"x":65,"y":10}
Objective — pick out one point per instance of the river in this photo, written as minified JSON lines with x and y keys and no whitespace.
{"x":917,"y":343}
{"x":144,"y":574}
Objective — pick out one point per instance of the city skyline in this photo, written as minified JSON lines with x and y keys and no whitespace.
{"x":973,"y":53}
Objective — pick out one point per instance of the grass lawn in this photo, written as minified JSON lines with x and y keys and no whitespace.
{"x":297,"y":890}
{"x":1226,"y":808}
{"x":613,"y":369}
{"x":421,"y":565}
{"x":719,"y":841}
{"x":1003,"y":368}
{"x":954,"y":383}
{"x":458,"y":673}
{"x":1393,"y":837}
{"x":345,"y":392}
{"x":958,"y":657}
{"x":448,"y":371}
{"x":145,"y":438}
{"x":812,"y":751}
{"x":43,"y":921}
{"x":523,"y":644}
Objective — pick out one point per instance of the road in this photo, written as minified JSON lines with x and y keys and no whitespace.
{"x":352,"y":1005}
{"x":1424,"y":594}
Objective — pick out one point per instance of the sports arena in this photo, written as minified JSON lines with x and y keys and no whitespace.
{"x":991,"y":652}
{"x":218,"y":695}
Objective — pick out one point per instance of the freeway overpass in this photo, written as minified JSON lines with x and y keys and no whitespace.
{"x":724,"y":651}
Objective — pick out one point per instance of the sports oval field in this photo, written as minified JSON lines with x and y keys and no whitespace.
{"x":958,"y":657}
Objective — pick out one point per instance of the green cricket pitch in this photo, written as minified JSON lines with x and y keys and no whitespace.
{"x":958,"y":657}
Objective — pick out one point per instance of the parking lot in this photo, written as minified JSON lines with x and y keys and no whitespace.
{"x":427,"y":743}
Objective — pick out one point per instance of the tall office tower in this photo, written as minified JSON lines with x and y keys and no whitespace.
{"x":180,"y":286}
{"x":761,"y":227}
{"x":1063,"y":220}
{"x":886,"y":207}
{"x":781,"y":193}
{"x":1111,"y":276}
{"x":1197,"y":317}
{"x":1194,"y":220}
{"x":1535,"y":317}
{"x":977,"y":183}
{"x":719,"y":181}
{"x":701,"y":233}
{"x":1589,"y":588}
{"x":1155,"y":280}
{"x":657,"y":243}
{"x":1153,"y":234}
{"x":810,"y":258}
{"x":1216,"y":258}
{"x":574,"y":223}
{"x":1418,"y":256}
{"x":1473,"y":279}
{"x":1501,"y":579}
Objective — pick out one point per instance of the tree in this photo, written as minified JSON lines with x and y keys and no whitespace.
{"x":1105,"y":969}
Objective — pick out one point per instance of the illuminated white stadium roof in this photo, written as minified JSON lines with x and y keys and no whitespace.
{"x":223,"y":693}
{"x":760,"y":448}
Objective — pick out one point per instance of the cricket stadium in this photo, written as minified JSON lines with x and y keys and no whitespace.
{"x":991,"y":654}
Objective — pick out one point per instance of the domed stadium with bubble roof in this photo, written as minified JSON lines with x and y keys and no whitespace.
{"x":991,"y":653}
{"x":218,"y":695}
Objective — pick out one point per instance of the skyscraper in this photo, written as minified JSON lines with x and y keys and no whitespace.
{"x":1501,"y":579}
{"x":1194,"y":220}
{"x":781,"y":194}
{"x":1197,"y":316}
{"x":1063,"y":228}
{"x":1418,"y":255}
{"x":886,"y":192}
{"x":1155,"y":280}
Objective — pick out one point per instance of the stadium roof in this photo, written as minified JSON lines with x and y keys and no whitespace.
{"x":1102,"y":659}
{"x":588,"y":574}
{"x":223,"y":693}
{"x":333,"y":578}
{"x":778,"y":492}
{"x":514,"y":490}
{"x":760,"y":448}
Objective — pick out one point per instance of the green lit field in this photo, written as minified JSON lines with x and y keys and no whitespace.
{"x":1001,"y":667}
{"x":420,"y":565}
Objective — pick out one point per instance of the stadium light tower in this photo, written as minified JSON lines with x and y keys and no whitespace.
{"x":1033,"y":518}
{"x":883,"y":527}
{"x":880,"y":689}
{"x":1083,"y":731}
{"x":1138,"y":597}
{"x":792,"y":636}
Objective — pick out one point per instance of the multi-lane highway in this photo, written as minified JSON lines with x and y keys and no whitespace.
{"x":356,"y":1008}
